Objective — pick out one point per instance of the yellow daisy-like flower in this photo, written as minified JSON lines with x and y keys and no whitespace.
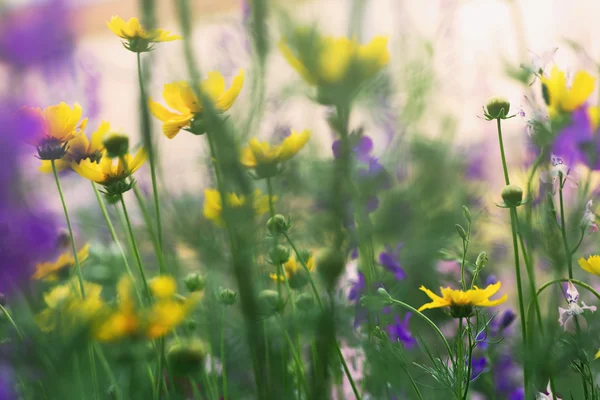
{"x":213,"y":205}
{"x":67,"y":309}
{"x":79,"y":149}
{"x":106,"y":171}
{"x":461,"y":303}
{"x":52,"y":271}
{"x":264,"y":158}
{"x":563,"y":98}
{"x":591,"y":265}
{"x":292,"y":267}
{"x":180,"y":97}
{"x":325,"y":61}
{"x":139,"y":38}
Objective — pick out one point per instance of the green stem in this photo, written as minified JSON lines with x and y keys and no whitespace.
{"x":563,"y":227}
{"x":413,"y":383}
{"x":152,"y":159}
{"x":109,"y":372}
{"x":159,"y":369}
{"x":71,"y":236}
{"x":12,"y":321}
{"x":578,"y":243}
{"x":460,"y":362}
{"x":464,"y":257}
{"x":295,"y":355}
{"x":504,"y":165}
{"x":469,"y":370}
{"x":93,"y":371}
{"x":224,"y":370}
{"x":270,"y":193}
{"x":136,"y":251}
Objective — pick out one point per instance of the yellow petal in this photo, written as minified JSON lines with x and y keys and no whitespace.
{"x":89,"y":170}
{"x":335,"y":59}
{"x":180,"y":97}
{"x":227,"y":98}
{"x":96,"y":138}
{"x":296,"y":64}
{"x":581,"y":89}
{"x":117,"y":26}
{"x":163,"y":287}
{"x":61,"y":164}
{"x":293,"y":143}
{"x":160,"y":112}
{"x":172,"y":127}
{"x":213,"y":86}
{"x":247,"y":158}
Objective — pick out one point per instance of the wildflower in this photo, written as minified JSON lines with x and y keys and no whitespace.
{"x":568,"y":318}
{"x":181,"y":97}
{"x":399,"y":331}
{"x":67,"y":308}
{"x":227,"y":296}
{"x":138,"y":38}
{"x":478,"y":366}
{"x":461,"y":303}
{"x":109,"y":174}
{"x":265,"y":159}
{"x":357,"y":289}
{"x":52,"y":271}
{"x":547,"y":395}
{"x":213,"y":205}
{"x":563,"y":98}
{"x":54,"y":127}
{"x":79,"y":149}
{"x":389,"y":259}
{"x":512,"y":196}
{"x":497,"y":108}
{"x":559,"y":169}
{"x":334,"y":63}
{"x":591,"y":265}
{"x":294,"y":272}
{"x":577,"y":142}
{"x":589,"y":218}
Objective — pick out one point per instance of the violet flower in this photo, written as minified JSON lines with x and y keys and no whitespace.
{"x":400,"y":332}
{"x":389,"y":260}
{"x":577,"y":143}
{"x":568,"y":316}
{"x":478,"y":366}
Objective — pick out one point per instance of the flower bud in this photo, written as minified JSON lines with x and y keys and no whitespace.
{"x":227,"y":296}
{"x":269,"y":303}
{"x":482,"y":260}
{"x":194,"y":282}
{"x":279,"y":254}
{"x":186,"y":357}
{"x":467,"y":214}
{"x":299,"y":278}
{"x":461,"y":231}
{"x":305,"y":302}
{"x":277,"y":224}
{"x":507,"y":319}
{"x":497,"y":107}
{"x":116,"y":144}
{"x":331,"y":263}
{"x":512,"y":195}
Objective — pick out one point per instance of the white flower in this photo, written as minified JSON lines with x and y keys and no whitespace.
{"x":559,"y":168}
{"x":568,"y":316}
{"x":546,"y":396}
{"x":589,"y":218}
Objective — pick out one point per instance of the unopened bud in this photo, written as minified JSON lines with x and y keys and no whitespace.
{"x":482,"y":260}
{"x":305,"y":302}
{"x":194,"y":282}
{"x":186,"y":357}
{"x":512,"y":195}
{"x":116,"y":144}
{"x":497,"y":107}
{"x":279,"y":255}
{"x":227,"y":296}
{"x":269,"y":302}
{"x":330,"y":263}
{"x":277,"y":225}
{"x":466,"y":213}
{"x":461,"y":231}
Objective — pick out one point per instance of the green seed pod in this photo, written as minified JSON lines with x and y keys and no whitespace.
{"x":461,"y":231}
{"x":482,"y":260}
{"x":116,"y":144}
{"x":194,"y":282}
{"x":277,"y":225}
{"x":227,"y":296}
{"x":330,"y":264}
{"x":186,"y":357}
{"x":497,"y":107}
{"x":305,"y":302}
{"x":512,"y":195}
{"x":279,"y":255}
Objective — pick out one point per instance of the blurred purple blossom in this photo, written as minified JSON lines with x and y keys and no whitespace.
{"x":400,"y":332}
{"x":389,"y":259}
{"x":576,"y":142}
{"x":478,"y":366}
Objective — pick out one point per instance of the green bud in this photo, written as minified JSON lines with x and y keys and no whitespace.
{"x":186,"y":357}
{"x":512,"y":195}
{"x":277,"y":224}
{"x":279,"y":254}
{"x":191,"y":325}
{"x":305,"y":302}
{"x":497,"y":107}
{"x":461,"y":231}
{"x":198,"y":126}
{"x":194,"y":282}
{"x":268,"y":302}
{"x":298,"y":279}
{"x":482,"y":260}
{"x":116,"y":144}
{"x":227,"y":296}
{"x":331,"y":263}
{"x":461,"y":311}
{"x":467,"y":214}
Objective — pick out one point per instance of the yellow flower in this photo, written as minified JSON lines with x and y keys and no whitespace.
{"x":52,"y":271}
{"x":180,"y":97}
{"x":123,"y":321}
{"x":591,"y":265}
{"x":563,"y":98}
{"x":258,"y":154}
{"x":79,"y":149}
{"x":106,"y":171}
{"x":597,"y":355}
{"x":323,"y":60}
{"x":163,"y":286}
{"x":291,"y":268}
{"x":213,"y":205}
{"x":460,"y":302}
{"x":66,"y":308}
{"x":139,"y":38}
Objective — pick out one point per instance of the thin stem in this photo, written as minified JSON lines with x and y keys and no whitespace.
{"x":469,"y":366}
{"x":71,"y":236}
{"x":460,"y":362}
{"x":504,"y":165}
{"x":152,"y":158}
{"x":270,"y":193}
{"x":93,"y":371}
{"x":136,"y":251}
{"x":413,"y":384}
{"x":295,"y":355}
{"x":224,"y":370}
{"x":563,"y":227}
{"x":464,"y":257}
{"x":12,"y":321}
{"x":109,"y":372}
{"x":159,"y":369}
{"x":578,"y":243}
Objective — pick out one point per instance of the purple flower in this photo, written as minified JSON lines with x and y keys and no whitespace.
{"x":478,"y":365}
{"x":399,"y":331}
{"x":576,"y":142}
{"x":362,"y":150}
{"x":389,"y":259}
{"x":517,"y":394}
{"x":7,"y":383}
{"x":506,"y":320}
{"x":357,"y":288}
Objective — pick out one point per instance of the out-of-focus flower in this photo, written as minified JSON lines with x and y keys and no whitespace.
{"x":559,"y":169}
{"x":79,"y":149}
{"x":326,"y":61}
{"x":577,"y":143}
{"x":213,"y":204}
{"x":389,"y":259}
{"x":517,"y":394}
{"x":357,"y":288}
{"x":589,"y":218}
{"x":52,"y":271}
{"x":265,"y":159}
{"x":564,"y":98}
{"x":67,"y":308}
{"x":154,"y":321}
{"x":540,"y":61}
{"x":400,"y":332}
{"x":591,"y":265}
{"x":547,"y":395}
{"x":478,"y":366}
{"x":461,"y":303}
{"x":138,"y":38}
{"x":569,"y":318}
{"x":292,"y":267}
{"x":180,"y":96}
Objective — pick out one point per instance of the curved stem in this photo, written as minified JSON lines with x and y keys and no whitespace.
{"x":71,"y":236}
{"x":578,"y":243}
{"x":12,"y":321}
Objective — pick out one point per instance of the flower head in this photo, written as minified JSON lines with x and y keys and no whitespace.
{"x":577,"y":142}
{"x":589,"y":218}
{"x":559,"y":169}
{"x":139,"y":39}
{"x":569,"y":318}
{"x":547,"y":395}
{"x":389,"y":259}
{"x":52,"y":271}
{"x":265,"y":159}
{"x":213,"y":204}
{"x":292,"y":267}
{"x":591,"y":265}
{"x":461,"y":303}
{"x":562,"y":97}
{"x":399,"y":331}
{"x":181,"y":97}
